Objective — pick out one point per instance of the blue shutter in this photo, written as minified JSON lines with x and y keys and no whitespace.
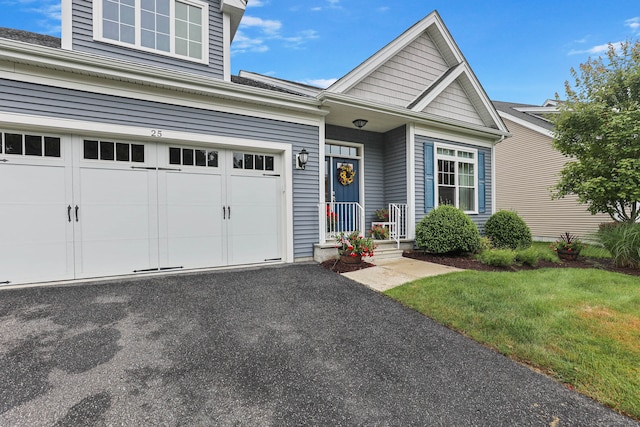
{"x":482,"y":187}
{"x":429,"y":189}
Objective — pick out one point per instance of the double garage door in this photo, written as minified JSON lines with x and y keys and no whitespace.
{"x":74,"y":207}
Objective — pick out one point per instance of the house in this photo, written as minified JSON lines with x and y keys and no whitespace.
{"x":130,"y":148}
{"x":529,"y":167}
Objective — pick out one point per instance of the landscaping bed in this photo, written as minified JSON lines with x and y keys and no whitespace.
{"x":470,"y":263}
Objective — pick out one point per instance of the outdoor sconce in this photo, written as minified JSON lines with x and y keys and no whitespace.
{"x":301,"y":159}
{"x":360,"y":123}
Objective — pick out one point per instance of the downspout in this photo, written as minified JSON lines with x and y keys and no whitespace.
{"x":493,"y":175}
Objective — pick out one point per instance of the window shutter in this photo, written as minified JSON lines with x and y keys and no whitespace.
{"x":482,"y":187}
{"x":429,"y":183}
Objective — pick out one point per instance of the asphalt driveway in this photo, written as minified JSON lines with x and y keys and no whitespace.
{"x":292,"y":345}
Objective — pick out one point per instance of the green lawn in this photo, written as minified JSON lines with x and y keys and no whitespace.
{"x":581,"y":326}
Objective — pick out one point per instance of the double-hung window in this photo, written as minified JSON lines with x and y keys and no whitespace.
{"x":169,"y":27}
{"x":457,"y":177}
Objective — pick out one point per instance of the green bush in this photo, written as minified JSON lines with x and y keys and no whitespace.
{"x":508,"y":231}
{"x":529,"y":256}
{"x":485,"y":244}
{"x":497,"y":257}
{"x":623,"y":242}
{"x":447,"y":229}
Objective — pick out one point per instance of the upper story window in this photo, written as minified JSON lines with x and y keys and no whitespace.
{"x":169,"y":27}
{"x":457,"y":175}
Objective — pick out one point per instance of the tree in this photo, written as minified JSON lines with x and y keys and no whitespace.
{"x":599,"y":128}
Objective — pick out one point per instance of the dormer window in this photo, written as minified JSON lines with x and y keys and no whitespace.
{"x":169,"y":27}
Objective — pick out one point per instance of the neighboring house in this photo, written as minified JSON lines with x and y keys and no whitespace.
{"x":131,"y":149}
{"x":528,"y":167}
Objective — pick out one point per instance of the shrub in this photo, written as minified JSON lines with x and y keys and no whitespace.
{"x":508,"y":231}
{"x":623,"y":241}
{"x":529,"y":256}
{"x":497,"y":257}
{"x":447,"y":229}
{"x":485,"y":244}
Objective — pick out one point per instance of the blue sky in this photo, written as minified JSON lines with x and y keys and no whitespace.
{"x":521,"y":51}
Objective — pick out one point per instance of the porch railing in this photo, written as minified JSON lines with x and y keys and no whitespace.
{"x":398,"y":226}
{"x":340,"y":217}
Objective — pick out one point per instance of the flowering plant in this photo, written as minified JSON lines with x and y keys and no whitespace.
{"x":380,"y":232}
{"x":332,"y":219}
{"x":382,"y":214}
{"x":355,"y":244}
{"x":568,"y":242}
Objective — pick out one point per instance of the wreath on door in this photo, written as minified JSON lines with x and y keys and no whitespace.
{"x":346,"y":174}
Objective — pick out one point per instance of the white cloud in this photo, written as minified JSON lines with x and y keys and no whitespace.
{"x":321,"y":83}
{"x":384,"y":9}
{"x":300,"y":39}
{"x":267,"y":25}
{"x":634,"y":24}
{"x":255,"y":3}
{"x":595,"y":50}
{"x":243,"y":44}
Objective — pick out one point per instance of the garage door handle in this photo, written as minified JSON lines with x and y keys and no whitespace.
{"x":224,"y":213}
{"x":77,"y":208}
{"x":228,"y":212}
{"x":69,"y":212}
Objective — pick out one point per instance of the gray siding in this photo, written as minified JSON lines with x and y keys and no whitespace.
{"x":83,"y":41}
{"x":373,"y":165}
{"x":395,"y":166}
{"x":479,"y":219}
{"x":28,"y":98}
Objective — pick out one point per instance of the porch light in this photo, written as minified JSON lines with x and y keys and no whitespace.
{"x":301,"y":159}
{"x":360,"y":123}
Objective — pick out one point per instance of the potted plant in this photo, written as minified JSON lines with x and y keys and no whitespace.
{"x":380,"y":232}
{"x":382,"y":214}
{"x":352,"y":247}
{"x":568,"y":247}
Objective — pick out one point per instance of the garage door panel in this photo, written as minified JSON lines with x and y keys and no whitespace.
{"x":255,"y":223}
{"x":117,"y":221}
{"x":35,"y":232}
{"x":192,"y":219}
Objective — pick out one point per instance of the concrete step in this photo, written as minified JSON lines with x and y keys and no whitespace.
{"x":385,"y":253}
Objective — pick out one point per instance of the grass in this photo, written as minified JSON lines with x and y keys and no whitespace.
{"x":581,"y":326}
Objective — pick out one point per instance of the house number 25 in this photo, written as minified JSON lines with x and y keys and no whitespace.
{"x":156,"y":133}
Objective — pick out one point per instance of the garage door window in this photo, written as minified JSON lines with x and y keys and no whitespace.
{"x":113,"y":151}
{"x":29,"y":145}
{"x":193,"y":157}
{"x":253,"y":162}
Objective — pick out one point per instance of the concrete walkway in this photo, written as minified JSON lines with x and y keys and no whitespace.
{"x":389,"y":273}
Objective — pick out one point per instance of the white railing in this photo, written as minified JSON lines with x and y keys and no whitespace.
{"x":340,"y":217}
{"x":398,"y":226}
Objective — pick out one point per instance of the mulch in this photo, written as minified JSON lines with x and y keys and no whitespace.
{"x":469,"y":263}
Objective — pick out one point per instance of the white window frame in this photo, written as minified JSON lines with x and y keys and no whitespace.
{"x":457,"y":160}
{"x":97,"y":30}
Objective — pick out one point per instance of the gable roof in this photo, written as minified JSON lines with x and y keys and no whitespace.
{"x":450,"y":73}
{"x":529,"y":116}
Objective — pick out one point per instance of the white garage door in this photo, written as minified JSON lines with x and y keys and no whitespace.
{"x":118,"y":207}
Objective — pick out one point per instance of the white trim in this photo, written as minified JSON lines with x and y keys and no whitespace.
{"x":287,"y":172}
{"x":526,"y":124}
{"x":493,"y":181}
{"x":411,"y":181}
{"x":452,"y":137}
{"x":321,"y":173}
{"x":66,"y":10}
{"x":265,"y":109}
{"x":226,"y":47}
{"x":456,"y":159}
{"x":97,"y":30}
{"x":439,"y":88}
{"x":234,"y":9}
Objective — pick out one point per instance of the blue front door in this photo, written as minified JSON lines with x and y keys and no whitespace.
{"x":346,"y":190}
